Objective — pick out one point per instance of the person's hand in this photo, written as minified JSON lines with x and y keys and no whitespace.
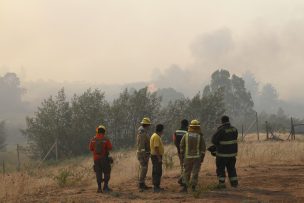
{"x":202,"y":158}
{"x":159,"y":159}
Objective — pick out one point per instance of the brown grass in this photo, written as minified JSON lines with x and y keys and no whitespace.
{"x":32,"y":181}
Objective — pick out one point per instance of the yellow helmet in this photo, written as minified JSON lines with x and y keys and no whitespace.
{"x":146,"y":121}
{"x":195,"y":123}
{"x":100,"y":127}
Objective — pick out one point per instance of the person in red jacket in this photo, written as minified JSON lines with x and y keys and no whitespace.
{"x":100,"y":146}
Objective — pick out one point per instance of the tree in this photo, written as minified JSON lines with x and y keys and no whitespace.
{"x":238,"y":101}
{"x":269,"y":98}
{"x":51,"y":121}
{"x":88,"y":111}
{"x":11,"y":93}
{"x":126,"y":113}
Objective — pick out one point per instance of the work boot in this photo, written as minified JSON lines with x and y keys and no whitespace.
{"x":180,"y":182}
{"x":142,"y":187}
{"x":221,"y":186}
{"x":184,"y":189}
{"x":106,"y":188}
{"x":234,"y":184}
{"x":99,"y":190}
{"x":158,"y":189}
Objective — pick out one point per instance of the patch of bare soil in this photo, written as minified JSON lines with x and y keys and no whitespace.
{"x":268,"y":183}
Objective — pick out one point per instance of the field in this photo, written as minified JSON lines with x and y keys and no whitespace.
{"x":268,"y":172}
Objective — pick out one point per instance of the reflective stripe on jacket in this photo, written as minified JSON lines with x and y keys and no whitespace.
{"x":225,"y":140}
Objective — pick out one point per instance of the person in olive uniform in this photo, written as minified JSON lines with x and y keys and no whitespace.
{"x":143,"y":152}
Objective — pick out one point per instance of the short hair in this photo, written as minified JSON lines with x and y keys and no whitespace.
{"x":101,"y":131}
{"x":159,"y":128}
{"x":225,"y":119}
{"x":184,"y":123}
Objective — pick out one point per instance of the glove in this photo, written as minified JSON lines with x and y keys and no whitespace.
{"x":202,"y":158}
{"x":212,"y":149}
{"x":111,"y":160}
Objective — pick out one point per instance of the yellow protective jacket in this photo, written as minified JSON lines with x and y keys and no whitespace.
{"x":193,"y":144}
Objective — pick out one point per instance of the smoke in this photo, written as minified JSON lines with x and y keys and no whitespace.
{"x":273,"y":53}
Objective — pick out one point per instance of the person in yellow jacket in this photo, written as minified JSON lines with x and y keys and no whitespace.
{"x":193,"y":149}
{"x":157,"y":152}
{"x":143,"y":152}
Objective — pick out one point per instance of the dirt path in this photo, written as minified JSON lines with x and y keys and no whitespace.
{"x":270,"y":183}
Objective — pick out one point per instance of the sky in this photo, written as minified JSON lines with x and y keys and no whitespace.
{"x":124,"y":41}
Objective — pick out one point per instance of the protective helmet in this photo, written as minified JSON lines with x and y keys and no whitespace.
{"x":100,"y":127}
{"x":146,"y":121}
{"x":195,"y":123}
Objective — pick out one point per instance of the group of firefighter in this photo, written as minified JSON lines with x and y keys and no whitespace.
{"x":191,"y":149}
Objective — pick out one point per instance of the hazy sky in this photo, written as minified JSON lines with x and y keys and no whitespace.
{"x":120,"y":41}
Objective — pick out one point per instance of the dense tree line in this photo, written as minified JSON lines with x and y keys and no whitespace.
{"x":73,"y":122}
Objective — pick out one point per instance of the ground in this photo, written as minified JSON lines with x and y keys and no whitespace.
{"x":269,"y":183}
{"x":268,"y":172}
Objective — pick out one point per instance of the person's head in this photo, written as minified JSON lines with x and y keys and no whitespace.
{"x":101,"y":129}
{"x":184,"y":123}
{"x":146,"y":122}
{"x":225,"y":119}
{"x":159,"y":129}
{"x":195,"y":126}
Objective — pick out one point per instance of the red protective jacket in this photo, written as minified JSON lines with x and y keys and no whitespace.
{"x":107,"y":146}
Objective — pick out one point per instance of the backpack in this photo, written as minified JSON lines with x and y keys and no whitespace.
{"x":98,"y":146}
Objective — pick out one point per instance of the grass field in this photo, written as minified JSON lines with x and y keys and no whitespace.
{"x":269,"y":171}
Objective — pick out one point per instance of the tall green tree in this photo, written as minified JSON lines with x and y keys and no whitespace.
{"x":51,"y":121}
{"x":88,"y":110}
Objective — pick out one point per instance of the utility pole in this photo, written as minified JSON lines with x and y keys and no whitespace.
{"x":242,"y":132}
{"x":18,"y":156}
{"x":257,"y":124}
{"x":56,"y":149}
{"x":3,"y":168}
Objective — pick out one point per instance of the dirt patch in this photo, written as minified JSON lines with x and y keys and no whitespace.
{"x":268,"y":183}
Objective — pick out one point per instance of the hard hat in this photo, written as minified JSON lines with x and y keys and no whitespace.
{"x":195,"y":123}
{"x":100,"y":127}
{"x":146,"y":121}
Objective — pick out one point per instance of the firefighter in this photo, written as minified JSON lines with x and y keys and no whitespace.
{"x":225,"y":141}
{"x":157,"y":152}
{"x":100,"y":146}
{"x":193,"y":149}
{"x":177,"y":137}
{"x":143,"y":152}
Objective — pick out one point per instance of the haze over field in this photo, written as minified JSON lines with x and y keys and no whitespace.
{"x":161,"y":44}
{"x":117,"y":42}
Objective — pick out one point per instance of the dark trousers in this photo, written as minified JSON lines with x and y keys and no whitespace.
{"x":102,"y":168}
{"x":157,"y":170}
{"x":228,"y":163}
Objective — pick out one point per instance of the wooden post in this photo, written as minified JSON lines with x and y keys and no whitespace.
{"x":3,"y":168}
{"x":242,"y":132}
{"x":293,"y":133}
{"x":267,"y":130}
{"x":257,"y":124}
{"x":56,"y":149}
{"x":18,"y":158}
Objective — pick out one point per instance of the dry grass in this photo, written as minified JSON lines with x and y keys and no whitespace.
{"x":17,"y":185}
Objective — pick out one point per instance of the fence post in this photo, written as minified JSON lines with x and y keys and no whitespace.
{"x":56,"y":149}
{"x":18,"y":156}
{"x":3,"y":168}
{"x":267,"y":132}
{"x":242,"y":132}
{"x":257,"y":124}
